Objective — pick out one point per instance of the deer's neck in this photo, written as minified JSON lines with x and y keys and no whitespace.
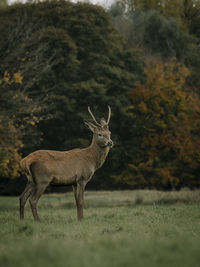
{"x":99,"y":154}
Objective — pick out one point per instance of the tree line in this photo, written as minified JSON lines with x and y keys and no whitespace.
{"x":140,"y":57}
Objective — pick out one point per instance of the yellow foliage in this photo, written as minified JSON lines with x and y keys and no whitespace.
{"x":167,"y":125}
{"x":18,"y":77}
{"x":32,"y":123}
{"x":9,"y":148}
{"x":8,"y":79}
{"x":142,"y":107}
{"x":9,"y":163}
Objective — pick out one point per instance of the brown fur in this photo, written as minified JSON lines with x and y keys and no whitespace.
{"x":74,"y":167}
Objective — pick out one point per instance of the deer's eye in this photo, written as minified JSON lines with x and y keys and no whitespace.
{"x":99,"y":135}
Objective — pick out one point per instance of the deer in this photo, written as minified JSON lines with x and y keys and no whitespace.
{"x":72,"y":167}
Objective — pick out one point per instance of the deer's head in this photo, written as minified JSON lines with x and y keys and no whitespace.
{"x":101,"y":133}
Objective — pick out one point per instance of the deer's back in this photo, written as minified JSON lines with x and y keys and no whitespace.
{"x":61,"y":166}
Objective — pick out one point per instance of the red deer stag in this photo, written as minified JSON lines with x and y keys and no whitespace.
{"x":74,"y":167}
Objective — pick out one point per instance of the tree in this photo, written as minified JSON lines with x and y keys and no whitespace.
{"x":70,"y":56}
{"x":164,"y":151}
{"x":10,"y":141}
{"x":185,"y":12}
{"x":164,"y":28}
{"x":3,"y":3}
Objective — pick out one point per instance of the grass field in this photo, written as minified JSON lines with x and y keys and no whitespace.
{"x":120,"y":229}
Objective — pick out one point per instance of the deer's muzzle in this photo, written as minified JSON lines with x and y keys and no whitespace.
{"x":110,"y":143}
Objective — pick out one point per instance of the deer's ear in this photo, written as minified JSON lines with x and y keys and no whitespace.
{"x":91,"y":126}
{"x":104,"y":124}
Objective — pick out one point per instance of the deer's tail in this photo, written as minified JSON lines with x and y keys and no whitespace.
{"x":25,"y":166}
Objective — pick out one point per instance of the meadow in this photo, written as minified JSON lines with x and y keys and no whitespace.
{"x":121,"y":228}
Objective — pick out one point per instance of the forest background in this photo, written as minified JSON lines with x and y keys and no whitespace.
{"x":141,"y":57}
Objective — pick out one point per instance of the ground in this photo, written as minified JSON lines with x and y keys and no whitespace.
{"x":120,"y":229}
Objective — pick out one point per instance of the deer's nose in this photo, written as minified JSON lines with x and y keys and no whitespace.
{"x":110,"y":143}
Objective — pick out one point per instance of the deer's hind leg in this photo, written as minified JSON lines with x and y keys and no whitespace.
{"x":35,"y":195}
{"x":24,"y":196}
{"x":41,"y":178}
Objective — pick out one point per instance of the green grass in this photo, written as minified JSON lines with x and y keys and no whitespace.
{"x":120,"y":229}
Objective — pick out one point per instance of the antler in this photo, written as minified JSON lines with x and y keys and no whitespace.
{"x":93,"y":116}
{"x":103,"y":122}
{"x":109,"y":114}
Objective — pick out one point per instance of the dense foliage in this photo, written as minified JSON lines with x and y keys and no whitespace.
{"x":59,"y":57}
{"x":164,"y":131}
{"x":163,"y":145}
{"x":165,"y":28}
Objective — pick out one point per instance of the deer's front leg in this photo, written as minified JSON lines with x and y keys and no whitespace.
{"x":79,"y":197}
